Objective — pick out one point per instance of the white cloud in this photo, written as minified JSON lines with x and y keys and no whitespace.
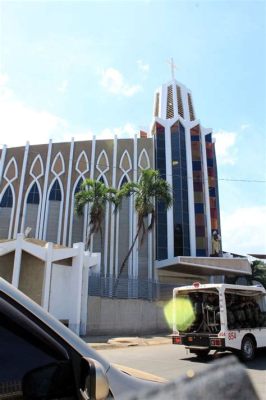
{"x":20,"y":123}
{"x":143,"y":67}
{"x":3,"y":79}
{"x":126,"y":131}
{"x":225,"y":145}
{"x":244,"y":230}
{"x":114,"y":82}
{"x":67,"y":136}
{"x":62,"y":88}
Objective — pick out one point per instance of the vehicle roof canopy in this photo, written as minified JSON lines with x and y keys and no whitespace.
{"x":221,"y":287}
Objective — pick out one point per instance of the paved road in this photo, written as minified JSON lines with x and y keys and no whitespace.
{"x":169,"y":361}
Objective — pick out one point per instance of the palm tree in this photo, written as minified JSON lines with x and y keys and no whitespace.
{"x":150,"y":187}
{"x":97,"y":195}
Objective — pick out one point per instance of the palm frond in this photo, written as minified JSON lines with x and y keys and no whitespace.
{"x":97,"y":195}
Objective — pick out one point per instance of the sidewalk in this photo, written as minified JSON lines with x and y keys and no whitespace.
{"x":108,"y":342}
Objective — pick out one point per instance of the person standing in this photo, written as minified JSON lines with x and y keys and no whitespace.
{"x":216,"y":244}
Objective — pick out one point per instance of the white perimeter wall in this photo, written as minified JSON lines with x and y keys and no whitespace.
{"x":60,"y":300}
{"x":63,"y":296}
{"x":125,"y":316}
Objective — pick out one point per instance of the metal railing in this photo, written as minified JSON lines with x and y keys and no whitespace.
{"x":129,"y":288}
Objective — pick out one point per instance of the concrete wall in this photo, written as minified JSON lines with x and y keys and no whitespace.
{"x":179,"y":279}
{"x":31,"y":277}
{"x":125,"y":317}
{"x":60,"y":298}
{"x":6,"y":266}
{"x":238,"y":264}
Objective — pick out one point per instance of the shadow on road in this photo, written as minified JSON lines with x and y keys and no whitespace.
{"x":207,"y":359}
{"x":259,"y":363}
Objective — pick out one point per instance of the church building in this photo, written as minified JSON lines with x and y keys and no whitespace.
{"x":38,"y":184}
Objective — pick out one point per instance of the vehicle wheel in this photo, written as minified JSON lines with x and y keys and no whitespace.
{"x":248,"y":349}
{"x":201,"y":353}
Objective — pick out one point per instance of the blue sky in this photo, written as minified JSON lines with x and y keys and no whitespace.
{"x":77,"y":68}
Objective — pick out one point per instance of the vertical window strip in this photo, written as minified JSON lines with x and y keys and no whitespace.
{"x":179,"y":102}
{"x":180,"y":191}
{"x":177,"y":191}
{"x":170,"y":103}
{"x":216,"y":189}
{"x":161,"y":226}
{"x":212,"y":182}
{"x":190,"y":107}
{"x":200,"y":212}
{"x":157,"y":102}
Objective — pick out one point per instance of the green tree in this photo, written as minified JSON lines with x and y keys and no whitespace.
{"x":150,"y":188}
{"x":96,"y":195}
{"x":259,"y":272}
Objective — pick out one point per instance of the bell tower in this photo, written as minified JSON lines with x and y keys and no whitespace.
{"x":185,"y":157}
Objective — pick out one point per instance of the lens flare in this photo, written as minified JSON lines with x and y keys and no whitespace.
{"x":180,"y":311}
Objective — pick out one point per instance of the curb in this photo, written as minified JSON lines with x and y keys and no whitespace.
{"x":130,"y":342}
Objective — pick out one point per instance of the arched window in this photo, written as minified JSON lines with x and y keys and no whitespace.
{"x":124,"y":181}
{"x":54,"y":214}
{"x":32,"y":209}
{"x":77,"y":189}
{"x":55,"y":193}
{"x":33,"y":196}
{"x":76,"y":230}
{"x":6,"y":214}
{"x":7,"y":200}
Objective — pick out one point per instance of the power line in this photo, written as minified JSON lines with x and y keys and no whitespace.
{"x":242,"y":180}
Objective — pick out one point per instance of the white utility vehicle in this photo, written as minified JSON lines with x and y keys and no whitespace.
{"x":220,"y":317}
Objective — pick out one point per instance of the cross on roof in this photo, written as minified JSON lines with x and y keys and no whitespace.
{"x":173,"y":67}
